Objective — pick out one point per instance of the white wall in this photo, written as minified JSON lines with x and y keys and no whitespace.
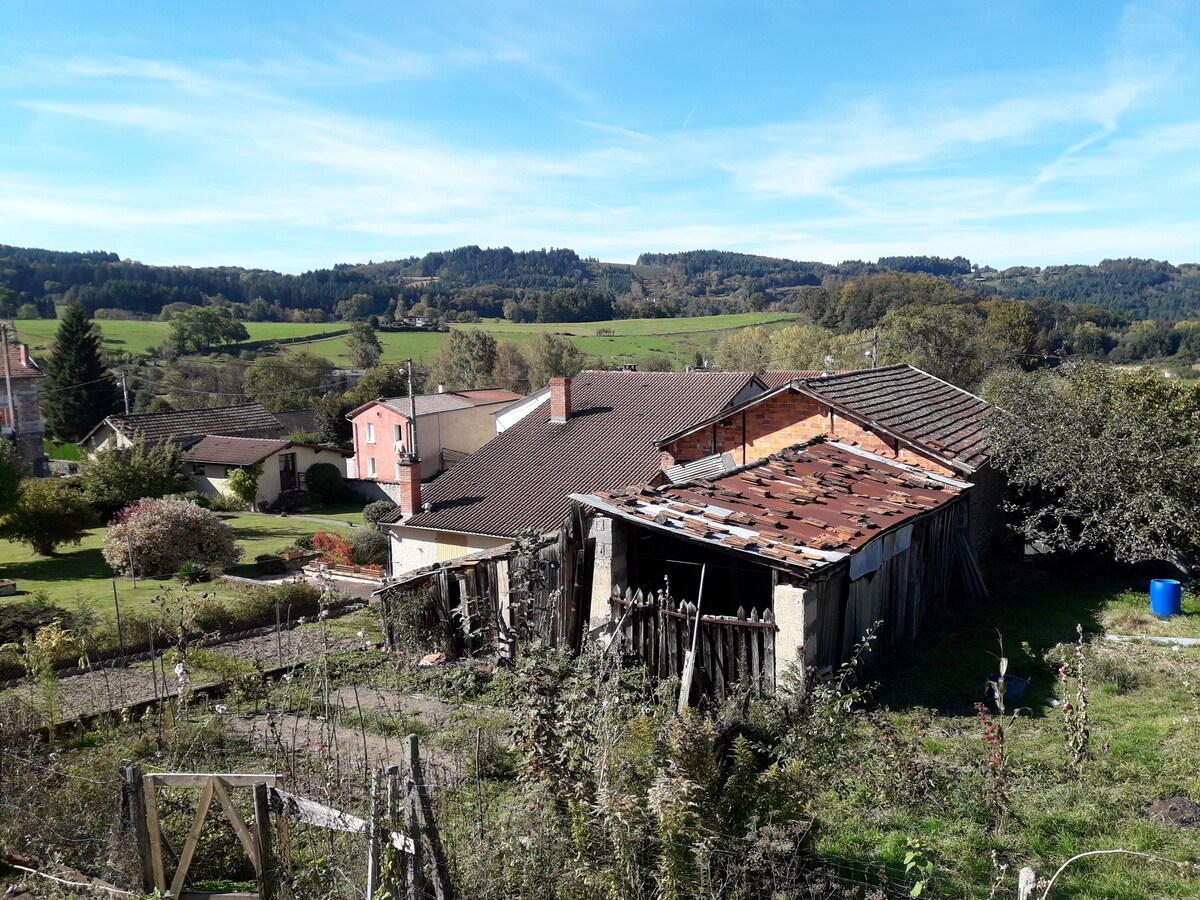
{"x":415,"y":548}
{"x":519,"y":410}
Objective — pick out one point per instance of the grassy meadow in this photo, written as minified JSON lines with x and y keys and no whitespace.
{"x":79,"y":575}
{"x":632,"y":339}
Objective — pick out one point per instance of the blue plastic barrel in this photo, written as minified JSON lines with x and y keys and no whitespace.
{"x":1166,"y":597}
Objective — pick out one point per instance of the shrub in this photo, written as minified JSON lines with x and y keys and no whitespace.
{"x":27,"y":616}
{"x":373,"y":512}
{"x":304,"y":542}
{"x":121,"y":476}
{"x":270,"y":564}
{"x":369,"y":547}
{"x":333,"y":547}
{"x":190,"y":573}
{"x":166,"y":534}
{"x":243,"y":484}
{"x":325,"y":482}
{"x":201,"y":499}
{"x":48,"y":513}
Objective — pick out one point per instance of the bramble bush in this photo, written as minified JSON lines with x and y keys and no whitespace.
{"x":165,"y":535}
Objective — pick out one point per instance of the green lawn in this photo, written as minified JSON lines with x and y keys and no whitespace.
{"x":80,"y":575}
{"x":632,"y":339}
{"x":1145,"y":745}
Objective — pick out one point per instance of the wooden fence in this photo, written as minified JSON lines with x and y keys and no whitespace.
{"x":658,"y":629}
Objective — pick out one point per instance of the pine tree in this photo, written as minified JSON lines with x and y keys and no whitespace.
{"x":78,"y":392}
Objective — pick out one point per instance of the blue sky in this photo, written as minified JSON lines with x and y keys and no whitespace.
{"x":297,"y":135}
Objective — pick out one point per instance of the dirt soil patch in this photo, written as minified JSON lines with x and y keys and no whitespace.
{"x":1175,"y":811}
{"x":316,"y":736}
{"x":433,"y":712}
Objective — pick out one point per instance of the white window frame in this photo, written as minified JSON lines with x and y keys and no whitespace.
{"x":370,"y":430}
{"x":371,"y":467}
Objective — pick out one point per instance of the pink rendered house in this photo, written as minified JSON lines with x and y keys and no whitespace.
{"x":449,"y":425}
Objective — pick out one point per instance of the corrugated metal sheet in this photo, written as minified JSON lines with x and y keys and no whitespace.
{"x":802,"y":509}
{"x":705,"y":467}
{"x":521,"y":478}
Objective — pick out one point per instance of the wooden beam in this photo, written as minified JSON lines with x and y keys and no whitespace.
{"x":200,"y":779}
{"x":155,"y":833}
{"x":134,"y":808}
{"x":267,"y":881}
{"x":189,"y":846}
{"x":239,"y":826}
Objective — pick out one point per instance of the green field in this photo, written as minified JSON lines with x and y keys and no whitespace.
{"x":79,"y":575}
{"x":632,"y":339}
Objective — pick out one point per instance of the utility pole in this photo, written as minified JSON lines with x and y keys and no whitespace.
{"x":874,"y":348}
{"x":125,"y":391}
{"x":412,"y":415}
{"x":12,"y":412}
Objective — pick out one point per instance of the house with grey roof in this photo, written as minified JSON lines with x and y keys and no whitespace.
{"x":597,"y":431}
{"x":184,"y":427}
{"x":449,"y":426}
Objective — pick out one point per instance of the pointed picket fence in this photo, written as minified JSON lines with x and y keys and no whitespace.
{"x":657,"y":628}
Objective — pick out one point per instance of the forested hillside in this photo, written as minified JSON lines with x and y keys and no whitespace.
{"x":1125,"y":310}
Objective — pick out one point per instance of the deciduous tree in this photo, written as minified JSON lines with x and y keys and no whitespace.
{"x":465,"y":360}
{"x":1101,"y":460}
{"x":551,"y":356}
{"x":48,"y":514}
{"x":512,"y":369}
{"x":363,"y":345}
{"x":286,"y":382}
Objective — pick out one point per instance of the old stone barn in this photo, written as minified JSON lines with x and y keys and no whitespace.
{"x":824,"y":539}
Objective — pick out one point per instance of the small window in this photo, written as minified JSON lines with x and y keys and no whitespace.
{"x":370,"y":467}
{"x":198,"y":469}
{"x":399,"y":437}
{"x":370,"y":432}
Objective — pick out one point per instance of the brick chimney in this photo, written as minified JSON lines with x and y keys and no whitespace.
{"x":410,"y":485}
{"x":560,"y":399}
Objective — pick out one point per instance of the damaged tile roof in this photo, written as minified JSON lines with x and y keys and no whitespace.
{"x":804,"y":508}
{"x":189,"y":424}
{"x":521,"y":478}
{"x":780,"y":377}
{"x":915,"y":405}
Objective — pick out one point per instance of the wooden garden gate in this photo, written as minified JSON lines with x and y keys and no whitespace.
{"x":140,"y":804}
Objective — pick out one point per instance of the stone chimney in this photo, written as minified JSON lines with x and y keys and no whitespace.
{"x":560,"y":399}
{"x":410,"y":485}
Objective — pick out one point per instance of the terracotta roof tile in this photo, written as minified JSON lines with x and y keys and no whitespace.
{"x":853,"y":508}
{"x":20,"y":364}
{"x":234,"y":451}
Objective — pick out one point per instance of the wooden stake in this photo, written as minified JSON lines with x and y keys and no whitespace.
{"x":373,"y":839}
{"x":133,"y":811}
{"x":689,"y":660}
{"x":262,"y":842}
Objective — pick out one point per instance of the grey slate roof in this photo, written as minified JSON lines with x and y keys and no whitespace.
{"x":521,"y":478}
{"x":189,"y":424}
